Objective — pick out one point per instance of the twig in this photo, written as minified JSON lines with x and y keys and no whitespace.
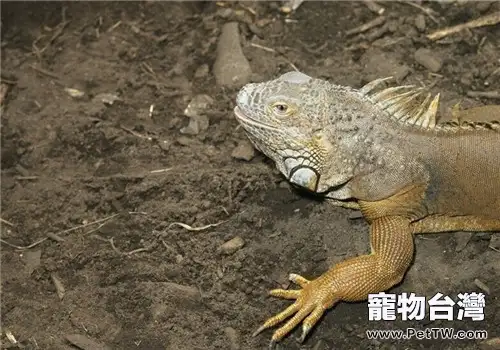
{"x":190,"y":228}
{"x":8,"y":82}
{"x":114,"y":26}
{"x":55,"y":237}
{"x":160,"y":170}
{"x":57,"y":34}
{"x":139,"y":250}
{"x":265,"y":48}
{"x":60,"y":290}
{"x":374,"y":7}
{"x":6,"y":222}
{"x":377,"y":21}
{"x":110,"y":241}
{"x":34,"y":244}
{"x":268,"y":49}
{"x":426,"y":10}
{"x":45,"y":72}
{"x":117,"y":251}
{"x":26,"y":177}
{"x":488,"y":20}
{"x":135,"y":133}
{"x":485,"y":94}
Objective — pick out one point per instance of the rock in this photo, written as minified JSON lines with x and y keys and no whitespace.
{"x":31,"y":260}
{"x":495,"y":241}
{"x":429,"y":60}
{"x":400,"y":72}
{"x":85,"y":343}
{"x":462,"y":239}
{"x":198,"y":106}
{"x":420,"y":22}
{"x":196,"y":110}
{"x":232,"y":245}
{"x":244,"y":151}
{"x":196,"y":125}
{"x":231,"y":68}
{"x":181,"y":291}
{"x":490,"y":344}
{"x":202,"y":71}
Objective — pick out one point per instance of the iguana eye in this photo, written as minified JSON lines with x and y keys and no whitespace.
{"x":281,"y":108}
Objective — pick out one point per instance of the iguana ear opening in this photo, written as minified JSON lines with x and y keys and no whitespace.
{"x":305,"y":177}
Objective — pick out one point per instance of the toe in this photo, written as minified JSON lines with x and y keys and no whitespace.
{"x":310,"y":321}
{"x":292,"y":323}
{"x":297,"y":279}
{"x":285,"y":294}
{"x":278,"y":318}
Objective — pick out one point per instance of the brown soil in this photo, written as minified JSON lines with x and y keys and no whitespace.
{"x":137,"y":282}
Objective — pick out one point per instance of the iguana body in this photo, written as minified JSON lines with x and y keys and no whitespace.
{"x":381,"y":151}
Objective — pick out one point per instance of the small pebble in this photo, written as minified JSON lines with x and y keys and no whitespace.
{"x":400,"y":72}
{"x":184,"y":141}
{"x":429,"y":60}
{"x":232,"y":245}
{"x":420,"y":22}
{"x":495,"y":241}
{"x":182,"y":291}
{"x":244,"y":151}
{"x":481,"y":285}
{"x":107,"y":98}
{"x":233,"y":337}
{"x":202,"y":71}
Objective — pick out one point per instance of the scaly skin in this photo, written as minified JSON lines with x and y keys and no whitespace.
{"x":382,"y":152}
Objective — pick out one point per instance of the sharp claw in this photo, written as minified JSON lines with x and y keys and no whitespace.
{"x":305,"y":331}
{"x":272,"y":345}
{"x":261,"y":328}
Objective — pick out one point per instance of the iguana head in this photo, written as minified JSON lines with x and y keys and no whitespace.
{"x":323,"y":135}
{"x":285,"y":120}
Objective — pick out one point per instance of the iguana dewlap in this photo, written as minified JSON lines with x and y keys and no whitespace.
{"x":379,"y":150}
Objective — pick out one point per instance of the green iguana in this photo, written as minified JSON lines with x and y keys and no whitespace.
{"x":379,"y":151}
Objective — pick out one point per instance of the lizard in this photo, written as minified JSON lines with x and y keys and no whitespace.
{"x":380,"y":150}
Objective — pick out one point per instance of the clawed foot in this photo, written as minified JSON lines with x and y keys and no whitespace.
{"x":310,"y":303}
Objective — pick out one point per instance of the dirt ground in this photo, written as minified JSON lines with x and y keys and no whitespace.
{"x":93,"y":177}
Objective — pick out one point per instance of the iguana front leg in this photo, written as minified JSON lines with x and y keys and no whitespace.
{"x":351,"y":280}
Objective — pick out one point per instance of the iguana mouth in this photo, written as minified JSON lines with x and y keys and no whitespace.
{"x":244,"y":119}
